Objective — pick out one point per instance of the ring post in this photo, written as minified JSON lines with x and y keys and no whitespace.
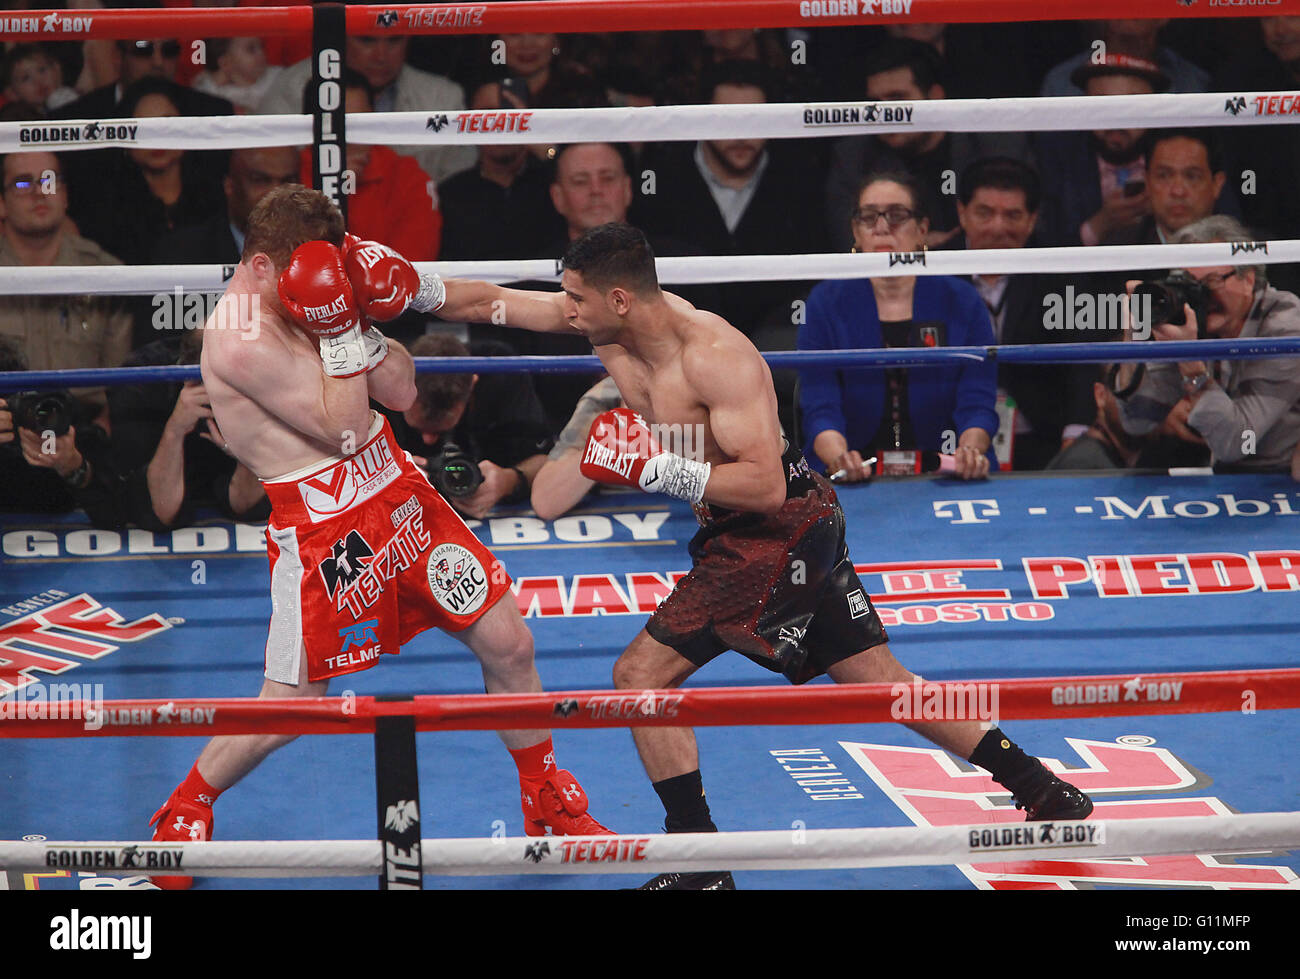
{"x":397,"y":789}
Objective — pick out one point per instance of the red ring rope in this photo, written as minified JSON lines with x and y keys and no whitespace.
{"x":1017,"y":699}
{"x":587,"y":16}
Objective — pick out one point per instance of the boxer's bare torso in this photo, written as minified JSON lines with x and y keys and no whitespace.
{"x":260,"y":373}
{"x":681,"y":368}
{"x":672,"y":373}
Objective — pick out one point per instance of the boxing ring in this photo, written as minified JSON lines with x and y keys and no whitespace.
{"x":1135,"y":631}
{"x":1136,"y":588}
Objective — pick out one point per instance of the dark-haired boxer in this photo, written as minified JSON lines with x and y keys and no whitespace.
{"x":772,"y":576}
{"x":365,"y":554}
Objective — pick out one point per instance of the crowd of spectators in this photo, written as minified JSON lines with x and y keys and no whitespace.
{"x":149,"y":455}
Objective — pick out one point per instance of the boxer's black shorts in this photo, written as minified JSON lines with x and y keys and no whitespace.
{"x":780,"y":589}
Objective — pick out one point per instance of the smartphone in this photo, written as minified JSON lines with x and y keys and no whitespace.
{"x":1134,"y":187}
{"x":517,"y":88}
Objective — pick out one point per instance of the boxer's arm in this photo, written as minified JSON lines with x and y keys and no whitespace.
{"x":392,"y":383}
{"x":733,"y":384}
{"x":474,"y":301}
{"x":295,"y":390}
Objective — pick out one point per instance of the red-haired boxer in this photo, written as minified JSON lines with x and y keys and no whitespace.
{"x":772,"y":576}
{"x":365,"y":555}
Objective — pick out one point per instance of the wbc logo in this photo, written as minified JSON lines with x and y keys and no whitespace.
{"x":457,"y":579}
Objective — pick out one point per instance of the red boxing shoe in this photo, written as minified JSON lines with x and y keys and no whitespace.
{"x":184,"y":821}
{"x":558,"y":801}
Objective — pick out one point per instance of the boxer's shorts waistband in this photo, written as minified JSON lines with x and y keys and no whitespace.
{"x":332,"y":487}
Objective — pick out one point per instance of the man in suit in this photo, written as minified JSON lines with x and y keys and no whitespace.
{"x":397,"y":87}
{"x":1186,"y":181}
{"x":220,"y":240}
{"x":253,"y":172}
{"x":998,"y":200}
{"x":740,"y":197}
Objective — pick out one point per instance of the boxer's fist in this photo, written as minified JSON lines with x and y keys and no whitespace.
{"x":318,"y":295}
{"x":385,"y":283}
{"x":622,"y":450}
{"x":316,"y":291}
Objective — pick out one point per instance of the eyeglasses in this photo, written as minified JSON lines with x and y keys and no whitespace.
{"x":896,"y":215}
{"x":27,"y":184}
{"x":1214,"y":280}
{"x":145,"y":49}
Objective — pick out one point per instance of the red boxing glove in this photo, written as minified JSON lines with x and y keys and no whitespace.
{"x":316,"y":290}
{"x":318,"y":295}
{"x":621,"y":450}
{"x":385,"y":283}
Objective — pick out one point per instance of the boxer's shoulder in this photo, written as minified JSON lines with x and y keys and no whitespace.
{"x":259,"y":346}
{"x":712,"y":347}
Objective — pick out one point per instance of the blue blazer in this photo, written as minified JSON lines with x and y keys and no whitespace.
{"x":841,"y":314}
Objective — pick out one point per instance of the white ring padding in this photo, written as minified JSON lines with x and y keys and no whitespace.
{"x":791,"y":120}
{"x":778,"y":120}
{"x":826,"y":849}
{"x":141,"y":280}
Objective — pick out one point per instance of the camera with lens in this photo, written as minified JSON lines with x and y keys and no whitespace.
{"x":453,"y":472}
{"x":1167,"y":297}
{"x":42,"y":411}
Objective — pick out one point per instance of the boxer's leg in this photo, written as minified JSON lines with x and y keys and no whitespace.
{"x":187,"y":814}
{"x":550,"y":795}
{"x":504,"y":648}
{"x":665,"y":752}
{"x":227,"y":759}
{"x":671,"y":757}
{"x":878,"y":665}
{"x":1040,"y":792}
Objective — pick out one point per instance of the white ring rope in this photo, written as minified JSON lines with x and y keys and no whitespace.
{"x":153,"y":279}
{"x":908,"y":846}
{"x":777,"y":120}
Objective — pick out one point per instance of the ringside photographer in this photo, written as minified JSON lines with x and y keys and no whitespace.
{"x":482,"y":438}
{"x":1246,"y":411}
{"x":53,"y":459}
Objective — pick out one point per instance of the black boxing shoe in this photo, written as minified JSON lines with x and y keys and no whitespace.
{"x":1056,"y":800}
{"x":708,"y":881}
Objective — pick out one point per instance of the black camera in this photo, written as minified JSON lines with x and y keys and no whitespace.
{"x":453,"y":473}
{"x":1168,"y":295}
{"x":42,"y":411}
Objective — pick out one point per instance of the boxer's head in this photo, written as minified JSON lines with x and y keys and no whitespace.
{"x":607,"y":271}
{"x":283,"y":219}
